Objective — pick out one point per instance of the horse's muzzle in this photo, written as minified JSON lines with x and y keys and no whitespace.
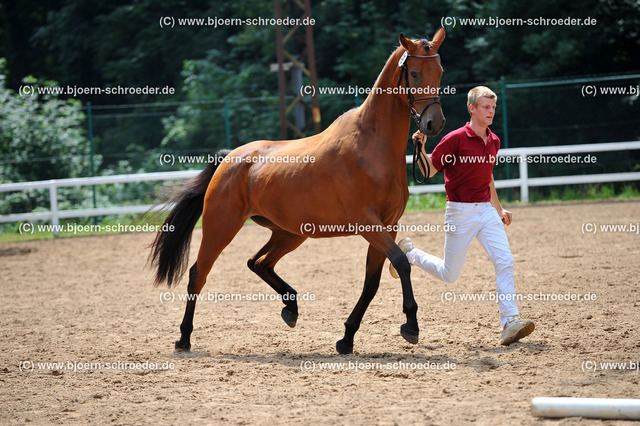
{"x":432,"y":121}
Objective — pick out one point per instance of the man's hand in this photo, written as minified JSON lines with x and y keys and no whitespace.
{"x":422,"y":138}
{"x":419,"y":136}
{"x":505,"y":216}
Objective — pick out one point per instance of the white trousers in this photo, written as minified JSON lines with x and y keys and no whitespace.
{"x":473,"y":220}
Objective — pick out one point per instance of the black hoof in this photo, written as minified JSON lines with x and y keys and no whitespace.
{"x":289,"y":317}
{"x":409,"y":334}
{"x":344,"y":348}
{"x":182,"y":347}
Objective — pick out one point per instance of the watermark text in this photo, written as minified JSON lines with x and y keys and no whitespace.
{"x":171,"y":159}
{"x":593,"y":91}
{"x":455,"y":297}
{"x":75,"y":91}
{"x":517,"y":159}
{"x":497,"y":22}
{"x":369,"y":366}
{"x":28,"y":366}
{"x":310,"y":228}
{"x":364,"y":91}
{"x":622,"y":228}
{"x":171,"y":297}
{"x":592,"y":366}
{"x":215,"y":22}
{"x":77,"y":228}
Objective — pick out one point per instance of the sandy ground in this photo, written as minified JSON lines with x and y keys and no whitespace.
{"x":88,"y":304}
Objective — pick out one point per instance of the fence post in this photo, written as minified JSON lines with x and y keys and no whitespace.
{"x":227,"y":127}
{"x":505,"y":128}
{"x":524,"y":177}
{"x":91,"y":158}
{"x":53,"y":201}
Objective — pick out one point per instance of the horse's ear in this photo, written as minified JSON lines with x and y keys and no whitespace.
{"x":406,"y":43}
{"x":438,"y":38}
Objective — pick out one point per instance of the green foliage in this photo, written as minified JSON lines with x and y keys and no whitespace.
{"x":40,"y":131}
{"x":419,"y":202}
{"x":199,"y":125}
{"x":104,"y":44}
{"x":41,"y":137}
{"x":630,"y":192}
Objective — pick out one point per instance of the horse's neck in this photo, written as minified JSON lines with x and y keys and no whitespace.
{"x":386,"y":113}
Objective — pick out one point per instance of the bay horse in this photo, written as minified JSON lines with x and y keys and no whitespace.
{"x":356,"y":173}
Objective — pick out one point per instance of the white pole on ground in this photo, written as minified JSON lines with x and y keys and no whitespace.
{"x":595,"y":408}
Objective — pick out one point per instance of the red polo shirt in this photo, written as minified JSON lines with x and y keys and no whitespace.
{"x":467,"y":164}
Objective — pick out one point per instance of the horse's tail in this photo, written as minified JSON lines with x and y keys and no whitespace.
{"x":170,"y":249}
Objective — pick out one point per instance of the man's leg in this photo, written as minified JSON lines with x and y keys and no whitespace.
{"x":493,"y":238}
{"x":463,"y":227}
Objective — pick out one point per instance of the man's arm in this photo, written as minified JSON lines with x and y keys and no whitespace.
{"x":505,"y":215}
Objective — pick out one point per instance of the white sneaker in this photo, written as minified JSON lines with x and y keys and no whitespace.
{"x":515,"y":330}
{"x":406,"y":245}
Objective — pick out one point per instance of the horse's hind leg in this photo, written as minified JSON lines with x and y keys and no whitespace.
{"x":263,"y":262}
{"x":218,"y":229}
{"x":184,"y":344}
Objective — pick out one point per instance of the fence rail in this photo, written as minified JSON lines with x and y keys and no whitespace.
{"x":524,"y":182}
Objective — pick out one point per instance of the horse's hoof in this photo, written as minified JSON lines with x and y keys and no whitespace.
{"x":409,"y":334}
{"x":344,"y":348}
{"x":182,"y":347}
{"x":289,"y":317}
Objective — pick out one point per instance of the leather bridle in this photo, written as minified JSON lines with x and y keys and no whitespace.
{"x":404,"y":71}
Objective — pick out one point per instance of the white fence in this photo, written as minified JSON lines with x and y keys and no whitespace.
{"x":525,"y":182}
{"x":522,"y":154}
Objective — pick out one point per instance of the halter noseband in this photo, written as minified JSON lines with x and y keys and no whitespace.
{"x":404,"y":71}
{"x":417,"y":153}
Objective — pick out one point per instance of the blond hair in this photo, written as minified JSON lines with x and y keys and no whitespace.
{"x":474,"y":95}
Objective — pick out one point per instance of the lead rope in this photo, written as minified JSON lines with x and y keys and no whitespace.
{"x":417,"y":157}
{"x":417,"y":153}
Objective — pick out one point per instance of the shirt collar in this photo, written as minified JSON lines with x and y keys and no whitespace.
{"x":472,"y":134}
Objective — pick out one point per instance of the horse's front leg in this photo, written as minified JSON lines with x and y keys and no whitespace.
{"x":383,"y":245}
{"x":409,"y":330}
{"x":375,"y":262}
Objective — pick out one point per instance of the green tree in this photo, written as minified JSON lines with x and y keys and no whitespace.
{"x":41,"y":137}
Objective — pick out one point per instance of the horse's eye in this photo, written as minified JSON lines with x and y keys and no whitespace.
{"x":414,"y":74}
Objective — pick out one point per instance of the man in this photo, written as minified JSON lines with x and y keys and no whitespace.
{"x":467,"y":156}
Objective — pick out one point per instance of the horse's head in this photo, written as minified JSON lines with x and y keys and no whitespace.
{"x":420,"y":73}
